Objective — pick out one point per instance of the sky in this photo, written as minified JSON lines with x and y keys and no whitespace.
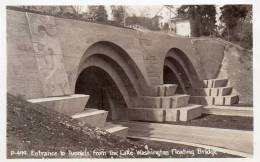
{"x":138,"y":10}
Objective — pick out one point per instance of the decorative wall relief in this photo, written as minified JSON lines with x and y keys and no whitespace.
{"x":48,"y":55}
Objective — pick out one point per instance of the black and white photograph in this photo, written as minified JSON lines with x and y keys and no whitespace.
{"x":129,"y":81}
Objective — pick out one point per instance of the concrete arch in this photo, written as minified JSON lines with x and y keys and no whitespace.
{"x":122,"y":59}
{"x":120,"y":79}
{"x":180,"y":64}
{"x":115,"y":62}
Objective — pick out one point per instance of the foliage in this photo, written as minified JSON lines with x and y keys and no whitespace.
{"x":231,"y":14}
{"x":64,"y":11}
{"x":165,"y":26}
{"x":97,"y":13}
{"x":146,"y":22}
{"x":237,"y":20}
{"x":119,"y":14}
{"x":202,"y":17}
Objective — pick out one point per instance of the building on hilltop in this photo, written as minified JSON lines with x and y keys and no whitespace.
{"x":181,"y":26}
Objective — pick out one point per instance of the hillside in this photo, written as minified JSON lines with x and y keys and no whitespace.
{"x":33,"y":127}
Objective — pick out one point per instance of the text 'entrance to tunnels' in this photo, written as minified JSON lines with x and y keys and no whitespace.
{"x":104,"y":93}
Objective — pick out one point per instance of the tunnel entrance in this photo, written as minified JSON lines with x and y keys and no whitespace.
{"x":169,"y":77}
{"x":178,"y":69}
{"x":104,"y":93}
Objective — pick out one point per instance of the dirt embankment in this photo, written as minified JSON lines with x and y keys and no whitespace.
{"x":31,"y":127}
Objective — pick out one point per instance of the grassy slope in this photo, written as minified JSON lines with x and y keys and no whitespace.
{"x":33,"y":127}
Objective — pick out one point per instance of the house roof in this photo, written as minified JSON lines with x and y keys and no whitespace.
{"x":176,"y":19}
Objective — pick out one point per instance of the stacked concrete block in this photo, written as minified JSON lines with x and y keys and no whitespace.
{"x":93,"y":117}
{"x":163,"y":101}
{"x":214,"y":92}
{"x":164,"y":106}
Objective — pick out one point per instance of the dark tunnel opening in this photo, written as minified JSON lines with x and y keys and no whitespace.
{"x":169,"y":77}
{"x":104,"y":93}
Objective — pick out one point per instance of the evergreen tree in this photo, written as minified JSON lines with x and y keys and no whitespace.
{"x":119,"y":14}
{"x":202,"y":18}
{"x":234,"y":16}
{"x":97,"y":13}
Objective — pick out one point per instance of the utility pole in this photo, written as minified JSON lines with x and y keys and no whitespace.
{"x":170,"y":7}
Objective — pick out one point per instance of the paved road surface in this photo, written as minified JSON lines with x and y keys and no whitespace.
{"x":236,"y":140}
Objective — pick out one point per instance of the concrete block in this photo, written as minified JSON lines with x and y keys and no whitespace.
{"x":94,"y":117}
{"x":68,"y":105}
{"x":165,"y":89}
{"x":172,"y":115}
{"x":163,"y":102}
{"x":214,"y":83}
{"x":214,"y":92}
{"x":219,"y":100}
{"x":148,"y":101}
{"x":225,"y":91}
{"x":116,"y":129}
{"x":232,"y":99}
{"x":210,"y":83}
{"x":205,"y":82}
{"x":226,"y":100}
{"x":190,"y":112}
{"x":146,"y":114}
{"x":221,"y":91}
{"x":220,"y":82}
{"x":185,"y":113}
{"x":178,"y":101}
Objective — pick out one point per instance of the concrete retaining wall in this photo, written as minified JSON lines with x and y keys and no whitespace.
{"x":147,"y":51}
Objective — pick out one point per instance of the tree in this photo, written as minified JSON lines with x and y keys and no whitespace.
{"x":233,"y":16}
{"x":146,"y":22}
{"x":202,"y":18}
{"x":166,"y":27}
{"x":78,"y":10}
{"x":155,"y":23}
{"x":119,"y":14}
{"x":97,"y":13}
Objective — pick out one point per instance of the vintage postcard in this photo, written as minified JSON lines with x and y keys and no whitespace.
{"x":129,"y":81}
